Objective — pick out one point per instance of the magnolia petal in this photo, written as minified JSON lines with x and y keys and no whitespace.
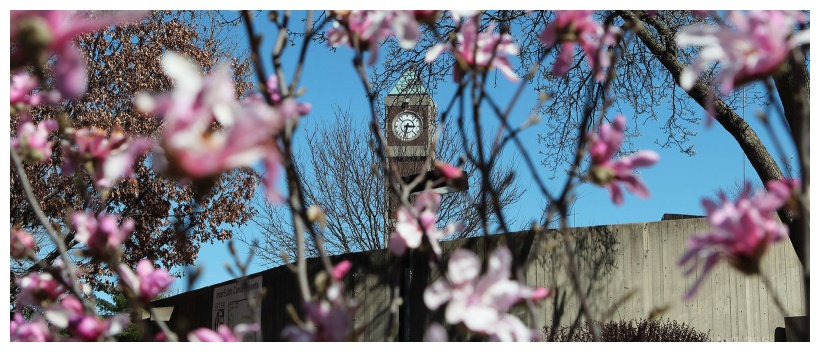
{"x":434,"y":52}
{"x":710,"y":262}
{"x":436,"y":294}
{"x":70,"y":72}
{"x":463,"y":267}
{"x":503,"y":65}
{"x":635,"y":185}
{"x":117,"y":324}
{"x":187,"y":77}
{"x":642,"y":158}
{"x":58,"y":316}
{"x":436,"y":333}
{"x":615,"y":193}
{"x":129,"y":278}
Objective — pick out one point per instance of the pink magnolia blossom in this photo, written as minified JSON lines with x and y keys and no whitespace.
{"x":741,"y":231}
{"x":101,"y":234}
{"x":29,"y":331}
{"x":222,"y":334}
{"x":481,"y":303}
{"x":38,"y":289}
{"x":578,"y":26}
{"x":70,"y":315}
{"x":272,"y":84}
{"x":752,"y":48}
{"x":340,"y":270}
{"x":611,"y":173}
{"x":22,"y":85}
{"x":37,"y":34}
{"x":32,"y":141}
{"x":413,"y":224}
{"x":191,"y":148}
{"x":22,"y":244}
{"x":449,"y":172}
{"x":367,"y":29}
{"x":479,"y":51}
{"x":106,"y":159}
{"x":329,"y":319}
{"x":148,"y":282}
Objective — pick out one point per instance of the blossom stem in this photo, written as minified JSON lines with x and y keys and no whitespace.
{"x":41,"y":216}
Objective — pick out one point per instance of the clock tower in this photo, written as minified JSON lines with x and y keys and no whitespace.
{"x":410,"y":125}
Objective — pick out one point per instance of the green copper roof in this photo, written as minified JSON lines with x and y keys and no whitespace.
{"x":408,"y":83}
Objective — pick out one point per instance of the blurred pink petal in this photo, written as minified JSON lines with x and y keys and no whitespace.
{"x":751,"y":46}
{"x":413,"y":224}
{"x":35,"y":330}
{"x":479,"y":51}
{"x":190,"y":148}
{"x":481,"y":303}
{"x":578,"y":26}
{"x":741,"y":231}
{"x":33,"y":141}
{"x":327,"y":319}
{"x":22,"y":243}
{"x":54,"y":33}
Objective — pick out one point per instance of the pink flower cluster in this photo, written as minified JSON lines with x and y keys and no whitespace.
{"x":610,"y":173}
{"x":208,"y":131}
{"x":61,"y":310}
{"x":481,"y":303}
{"x":70,"y":315}
{"x":22,"y":84}
{"x":222,"y":334}
{"x":106,"y":159}
{"x":366,"y":29}
{"x":22,"y":244}
{"x":35,"y":330}
{"x":32,"y":141}
{"x":741,"y":230}
{"x":751,"y":47}
{"x":38,"y":289}
{"x":476,"y":51}
{"x":101,"y":234}
{"x":413,"y":224}
{"x":35,"y":35}
{"x":449,"y":172}
{"x":148,"y":282}
{"x":578,"y":26}
{"x":329,"y":319}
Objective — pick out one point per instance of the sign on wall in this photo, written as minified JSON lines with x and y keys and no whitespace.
{"x":231,"y":306}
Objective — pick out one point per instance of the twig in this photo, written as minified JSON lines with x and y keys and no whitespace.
{"x":35,"y":205}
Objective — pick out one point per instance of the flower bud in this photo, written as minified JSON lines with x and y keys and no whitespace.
{"x":22,"y":244}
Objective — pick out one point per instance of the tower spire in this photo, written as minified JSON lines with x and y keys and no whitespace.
{"x":408,"y":83}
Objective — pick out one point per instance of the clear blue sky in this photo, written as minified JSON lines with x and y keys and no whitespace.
{"x":677,"y":183}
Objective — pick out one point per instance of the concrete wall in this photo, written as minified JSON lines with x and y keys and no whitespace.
{"x":629,"y":270}
{"x":639,"y":261}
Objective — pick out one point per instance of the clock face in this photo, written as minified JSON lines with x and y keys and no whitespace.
{"x":407,"y":126}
